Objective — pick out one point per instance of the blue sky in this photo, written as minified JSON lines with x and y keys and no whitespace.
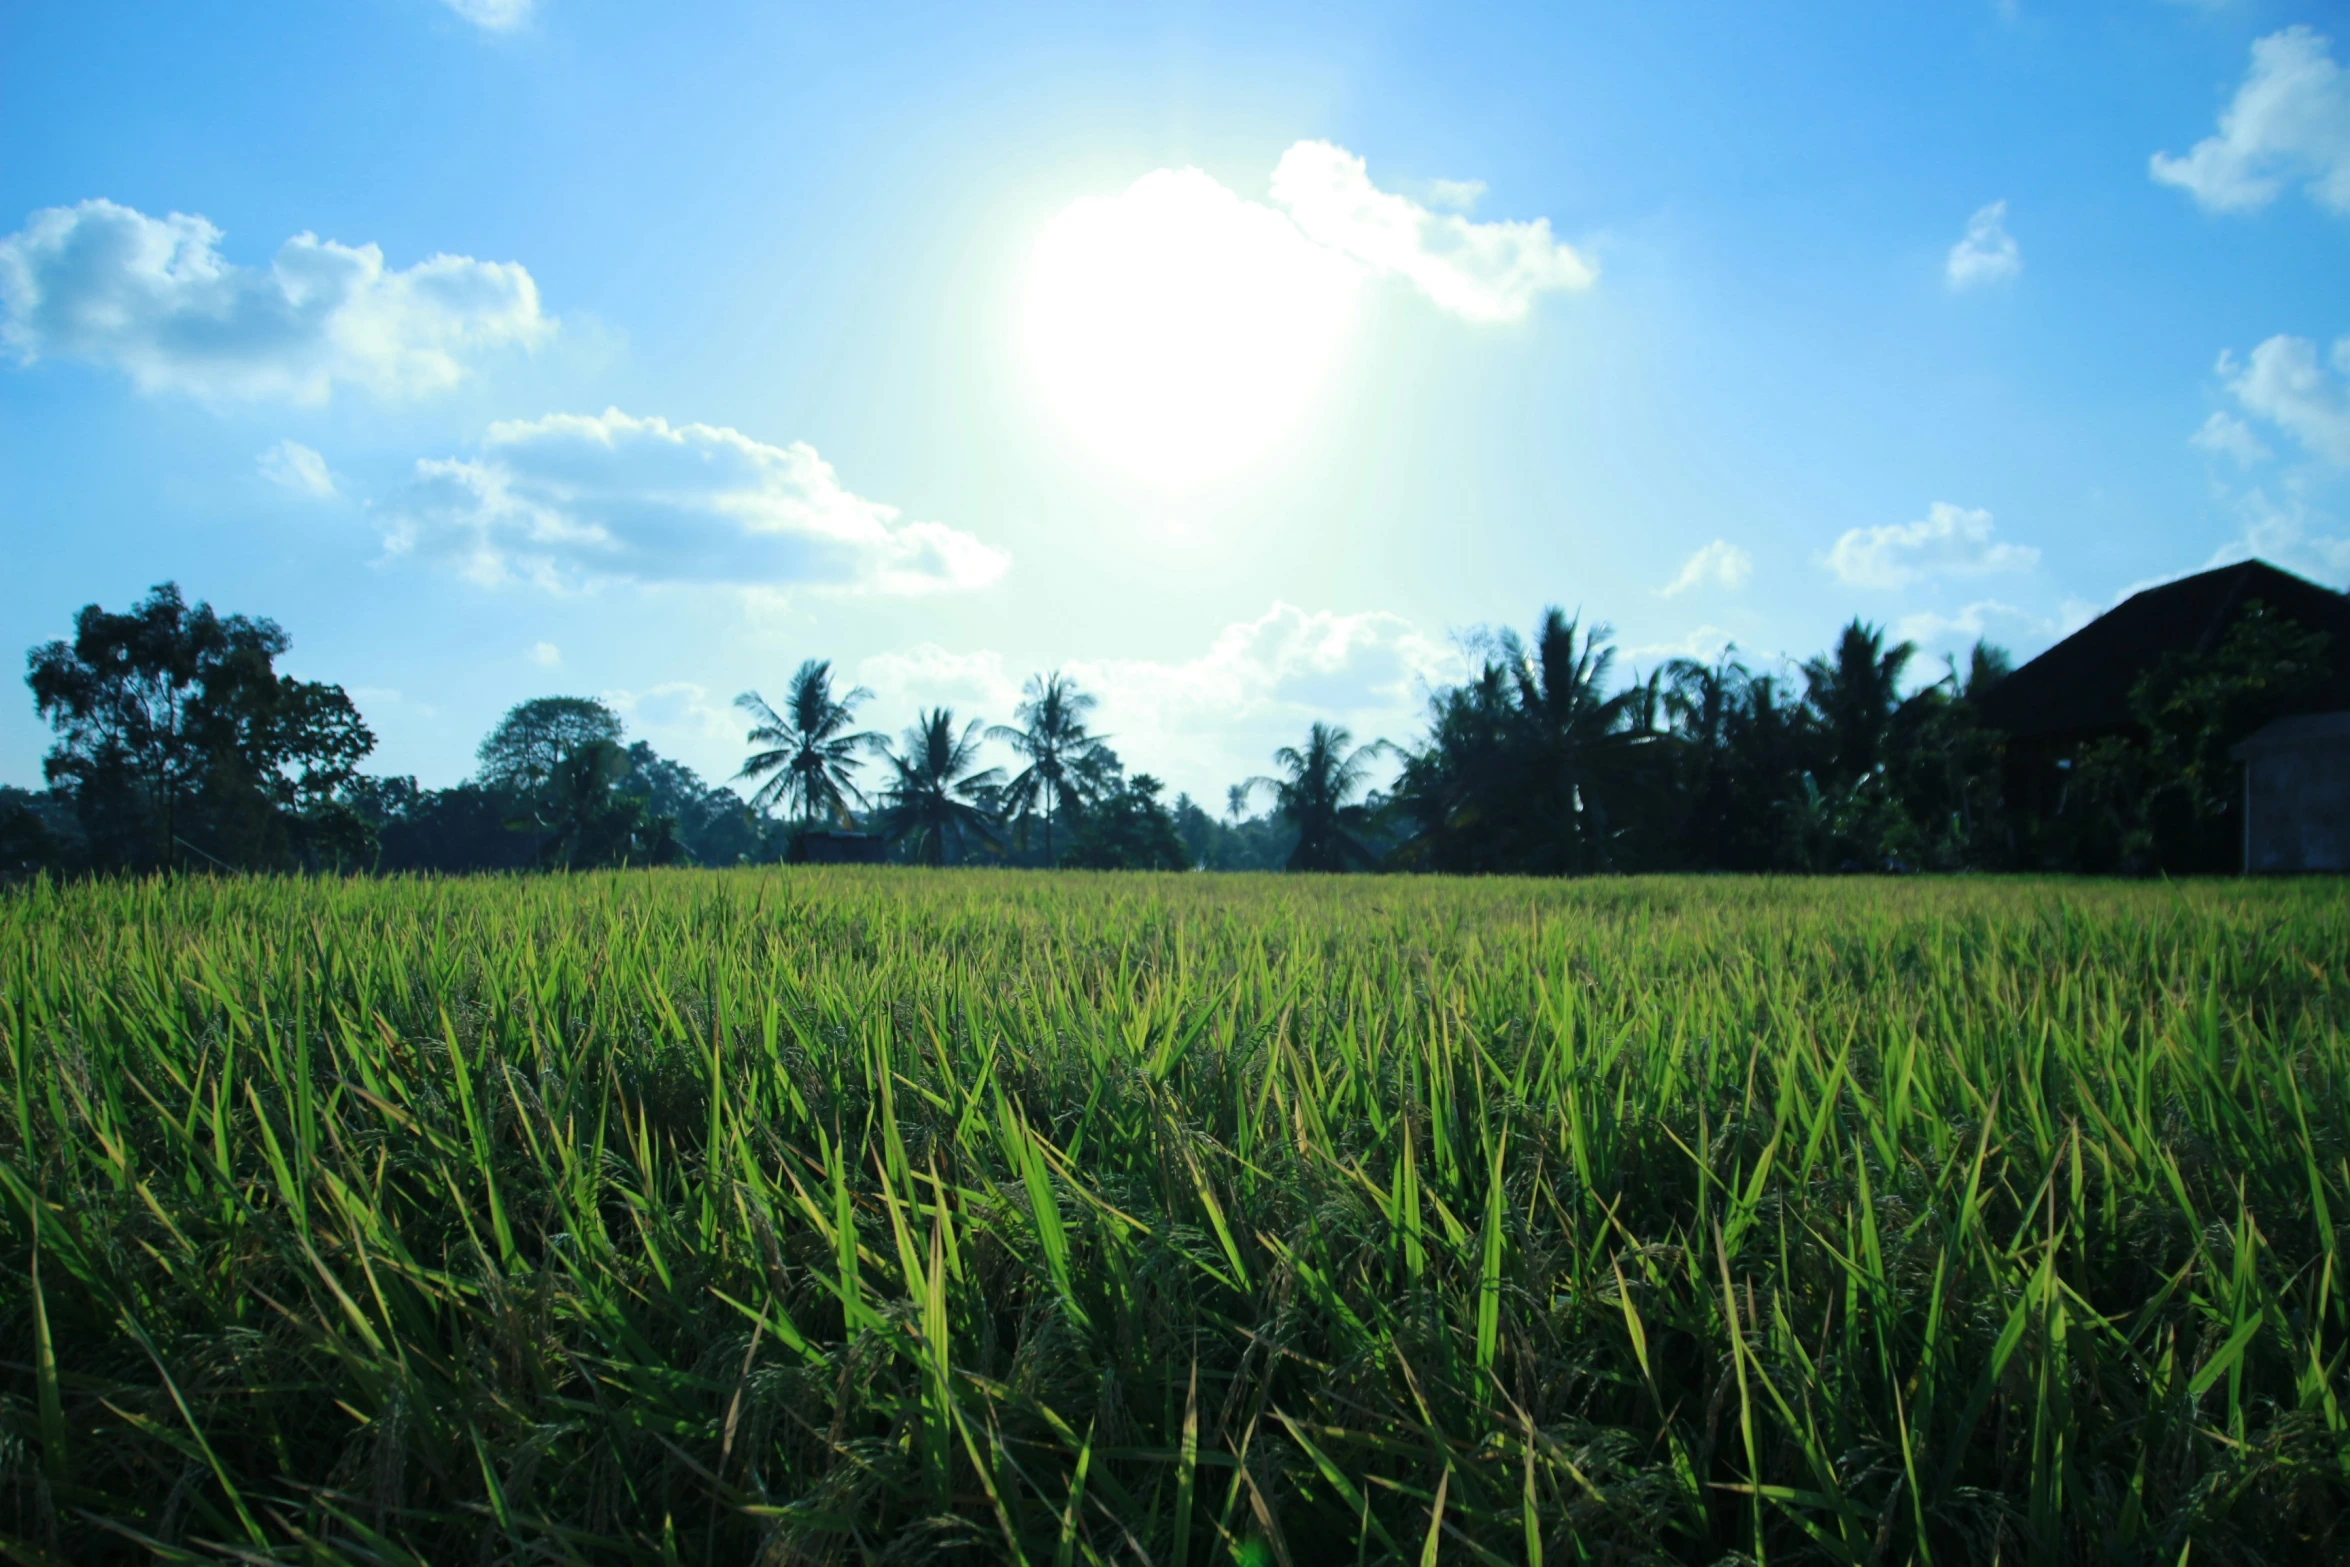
{"x":1236,"y":360}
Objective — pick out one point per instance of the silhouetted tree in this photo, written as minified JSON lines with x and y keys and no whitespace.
{"x":1048,"y":730}
{"x":1532,"y":765}
{"x":176,"y":732}
{"x":939,"y":802}
{"x":811,"y":762}
{"x":535,"y":738}
{"x":587,"y":815}
{"x":1855,"y":689}
{"x":1316,"y":787}
{"x":1129,"y":831}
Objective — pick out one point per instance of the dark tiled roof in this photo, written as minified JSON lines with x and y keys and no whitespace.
{"x":2081,"y":686}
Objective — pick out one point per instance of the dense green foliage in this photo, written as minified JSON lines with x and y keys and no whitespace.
{"x":882,"y":1214}
{"x":179,"y":742}
{"x":1542,"y":762}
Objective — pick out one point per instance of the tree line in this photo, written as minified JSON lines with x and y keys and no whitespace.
{"x":179,"y":746}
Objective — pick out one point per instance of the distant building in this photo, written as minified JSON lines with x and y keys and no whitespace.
{"x":2079,"y":690}
{"x":2297,"y":795}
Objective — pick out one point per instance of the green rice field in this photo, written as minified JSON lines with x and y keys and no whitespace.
{"x":846,"y":1215}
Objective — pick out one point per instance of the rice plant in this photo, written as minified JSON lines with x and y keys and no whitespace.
{"x":856,"y":1215}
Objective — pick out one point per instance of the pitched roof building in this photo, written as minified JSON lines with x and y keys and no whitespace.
{"x":2079,"y":692}
{"x":2080,"y":689}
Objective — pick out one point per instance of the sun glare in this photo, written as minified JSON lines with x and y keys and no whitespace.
{"x":1181,"y":330}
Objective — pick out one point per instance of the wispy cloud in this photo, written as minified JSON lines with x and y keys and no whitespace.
{"x":1480,"y":271}
{"x":2290,"y":120}
{"x":2287,"y":530}
{"x":1705,"y":645}
{"x":494,"y":16}
{"x":1986,"y":253}
{"x":573,"y":500}
{"x":155,"y":299}
{"x":292,"y":466}
{"x":2225,"y":435}
{"x":1949,"y":541}
{"x":2001,"y":623}
{"x":1720,"y":564}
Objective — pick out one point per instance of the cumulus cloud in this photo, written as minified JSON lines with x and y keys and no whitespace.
{"x":1480,"y":271}
{"x":2225,"y":435}
{"x":2284,"y":382}
{"x":1216,"y":717}
{"x":1949,"y":541}
{"x":572,"y":500}
{"x":1719,"y":564}
{"x":292,"y":466}
{"x":546,"y":655}
{"x":927,"y":675}
{"x":2290,"y":120}
{"x":1987,"y":253}
{"x":155,"y":299}
{"x":495,"y":16}
{"x":1211,"y":719}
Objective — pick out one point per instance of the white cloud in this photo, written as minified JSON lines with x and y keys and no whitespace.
{"x":679,"y":717}
{"x":1456,"y":195}
{"x":154,"y":298}
{"x":293,"y":466}
{"x":546,"y":655}
{"x":2284,"y":382}
{"x":1949,"y":541}
{"x":2003,"y":624}
{"x":1987,"y":253}
{"x":496,"y":16}
{"x":1203,"y":722}
{"x":2290,"y":120}
{"x":1705,"y":645}
{"x":2288,"y":533}
{"x":975,"y":685}
{"x":572,"y":500}
{"x":1211,"y":720}
{"x":2225,"y":435}
{"x":1480,"y":271}
{"x":1719,"y":564}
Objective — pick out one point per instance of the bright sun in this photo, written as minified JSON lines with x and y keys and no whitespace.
{"x":1179,"y":329}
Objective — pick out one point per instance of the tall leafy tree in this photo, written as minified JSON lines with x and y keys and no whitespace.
{"x":536,"y":737}
{"x":1316,"y":787}
{"x":810,"y":761}
{"x":176,"y":733}
{"x":940,"y":804}
{"x":1048,"y":731}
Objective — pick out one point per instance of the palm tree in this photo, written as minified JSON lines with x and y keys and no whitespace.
{"x":937,"y":802}
{"x":1048,"y":729}
{"x":1856,"y":692}
{"x":1236,"y":802}
{"x":1583,"y":739}
{"x":812,"y":755}
{"x":1315,"y":792}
